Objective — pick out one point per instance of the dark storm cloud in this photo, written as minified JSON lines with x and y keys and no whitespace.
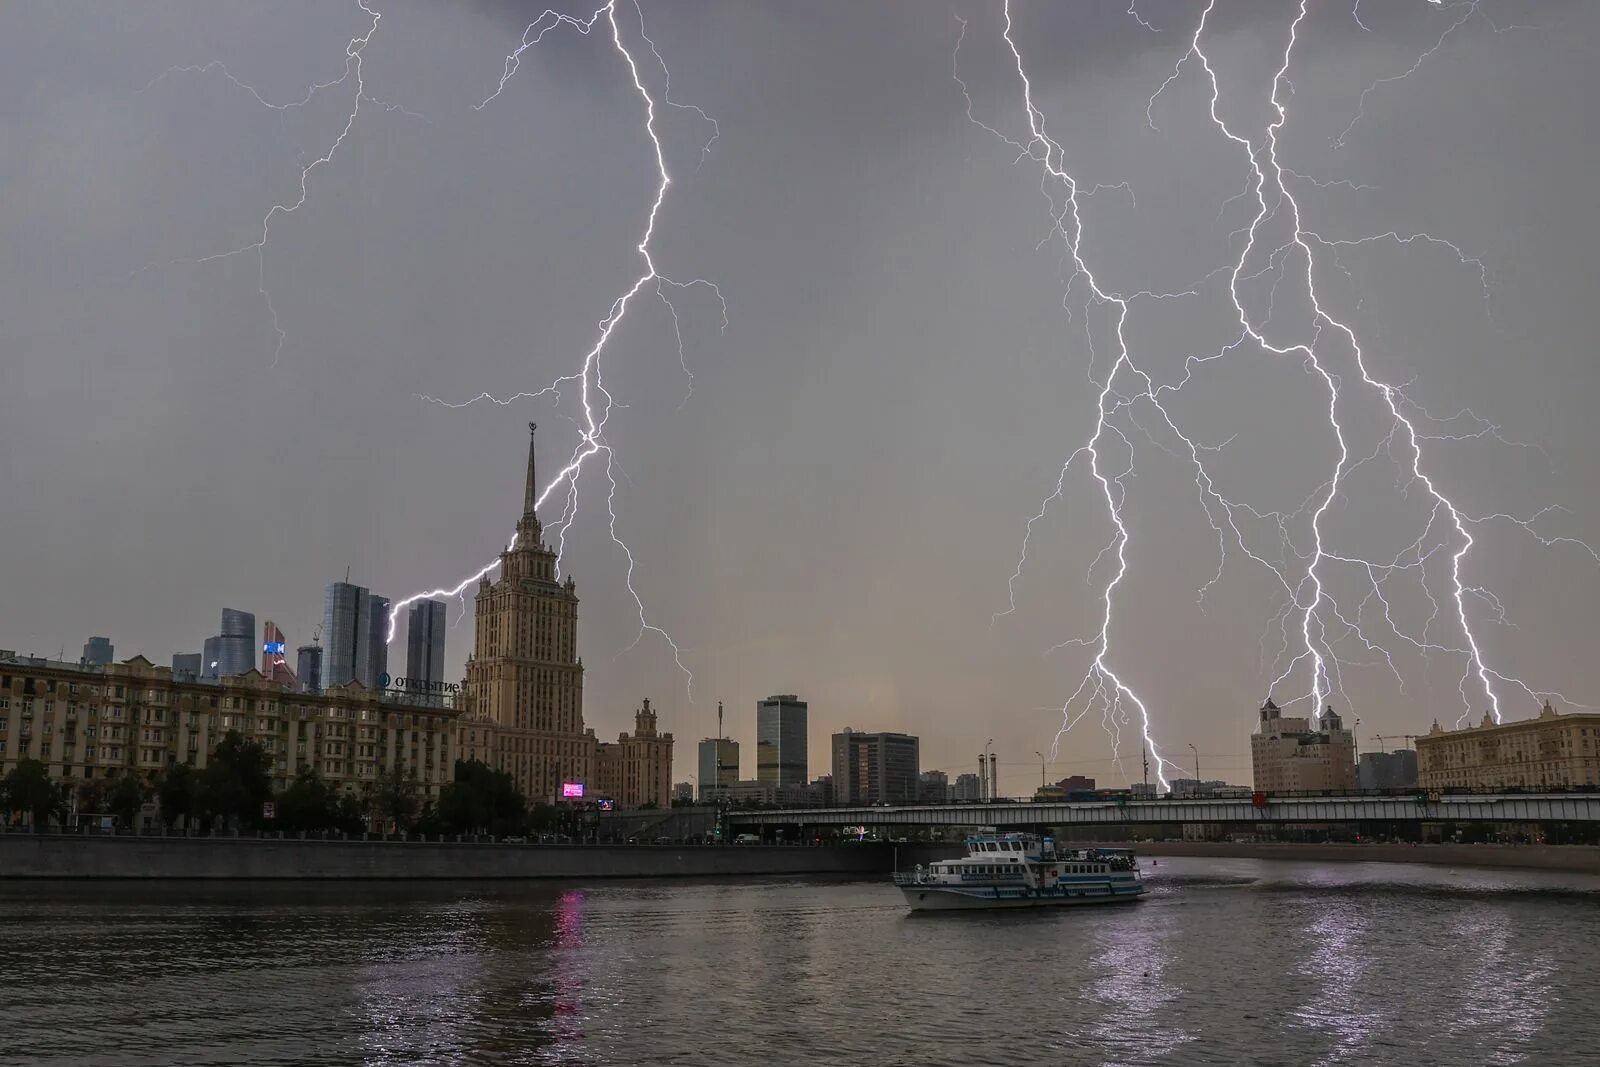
{"x":836,"y":508}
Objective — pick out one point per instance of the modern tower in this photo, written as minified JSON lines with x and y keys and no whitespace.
{"x":275,"y":656}
{"x":211,"y":658}
{"x":308,"y":668}
{"x":781,"y":740}
{"x":98,"y":652}
{"x":373,"y":669}
{"x":355,"y":630}
{"x":236,"y":652}
{"x":425,"y":624}
{"x":187,"y":664}
{"x":524,"y":677}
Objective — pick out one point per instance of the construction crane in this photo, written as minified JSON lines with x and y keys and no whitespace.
{"x":1381,"y":738}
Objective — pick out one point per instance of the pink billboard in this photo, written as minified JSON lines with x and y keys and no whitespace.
{"x":572,"y":790}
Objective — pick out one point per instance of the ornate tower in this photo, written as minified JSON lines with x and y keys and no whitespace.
{"x":524,"y":676}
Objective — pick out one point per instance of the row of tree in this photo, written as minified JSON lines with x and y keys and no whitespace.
{"x":233,"y":789}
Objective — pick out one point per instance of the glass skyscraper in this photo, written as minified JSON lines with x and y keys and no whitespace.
{"x":375,"y":667}
{"x":98,"y":652}
{"x":236,"y":644}
{"x":355,"y":626}
{"x":425,"y":643}
{"x":781,"y":757}
{"x":308,"y":668}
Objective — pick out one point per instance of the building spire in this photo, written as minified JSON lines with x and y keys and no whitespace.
{"x":530,"y":493}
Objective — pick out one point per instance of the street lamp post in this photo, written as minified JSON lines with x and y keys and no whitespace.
{"x":1036,"y":752}
{"x":1196,"y":752}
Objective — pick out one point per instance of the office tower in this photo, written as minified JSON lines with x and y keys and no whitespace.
{"x":308,"y":668}
{"x":719,"y":767}
{"x":187,"y":665}
{"x":524,"y":675}
{"x":375,"y":671}
{"x":355,"y":630}
{"x":211,"y":658}
{"x":425,"y":645}
{"x":874,"y":768}
{"x":275,"y":656}
{"x":98,"y":652}
{"x":781,"y":740}
{"x":236,"y":643}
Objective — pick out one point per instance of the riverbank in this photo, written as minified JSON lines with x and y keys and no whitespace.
{"x":1580,"y":858}
{"x":66,"y":856}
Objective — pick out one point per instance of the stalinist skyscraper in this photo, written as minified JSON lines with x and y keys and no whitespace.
{"x":524,"y":694}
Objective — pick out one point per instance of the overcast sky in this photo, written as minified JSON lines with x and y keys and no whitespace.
{"x":833,"y":504}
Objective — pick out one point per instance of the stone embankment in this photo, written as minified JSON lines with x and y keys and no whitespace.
{"x":1581,"y":858}
{"x":220,"y":858}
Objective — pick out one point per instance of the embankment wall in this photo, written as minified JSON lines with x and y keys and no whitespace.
{"x":70,"y":856}
{"x":1582,"y":858}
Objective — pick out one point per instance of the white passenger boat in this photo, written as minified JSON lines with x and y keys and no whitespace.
{"x":1022,"y":871}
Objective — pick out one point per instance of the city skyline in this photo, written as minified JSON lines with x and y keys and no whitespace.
{"x":834,"y":504}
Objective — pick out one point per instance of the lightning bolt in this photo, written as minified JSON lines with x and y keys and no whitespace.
{"x":352,"y":72}
{"x":594,"y":399}
{"x":1311,"y":616}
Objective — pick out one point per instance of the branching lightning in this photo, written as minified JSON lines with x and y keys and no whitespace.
{"x":1312,"y":623}
{"x":352,"y":72}
{"x":595,"y":401}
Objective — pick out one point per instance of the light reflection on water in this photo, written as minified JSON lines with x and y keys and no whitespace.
{"x":1226,"y":962}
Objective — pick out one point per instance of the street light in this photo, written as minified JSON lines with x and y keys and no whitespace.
{"x":1036,"y":752}
{"x":1196,"y":752}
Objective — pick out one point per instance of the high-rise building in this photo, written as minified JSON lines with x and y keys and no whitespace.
{"x":355,"y":630}
{"x":781,"y":740}
{"x":211,"y":658}
{"x":187,"y":665}
{"x":236,"y":652}
{"x":933,"y":787}
{"x":878,"y":768}
{"x":719,"y":767}
{"x":966,"y":787}
{"x":524,"y":685}
{"x":275,"y":656}
{"x":98,"y":652}
{"x":425,"y":624}
{"x":637,"y":769}
{"x":1299,"y":755}
{"x":308,"y":668}
{"x":373,"y":668}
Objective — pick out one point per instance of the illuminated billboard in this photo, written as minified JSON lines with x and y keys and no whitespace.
{"x":572,"y":790}
{"x":273,"y":648}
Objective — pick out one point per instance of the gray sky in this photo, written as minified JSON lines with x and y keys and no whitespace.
{"x":836,"y":507}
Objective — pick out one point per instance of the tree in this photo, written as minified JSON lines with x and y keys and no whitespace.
{"x":395,"y":797}
{"x":125,"y":796}
{"x":178,"y":792}
{"x":308,"y":804}
{"x":349,"y":815}
{"x":482,"y":799}
{"x":28,"y":788}
{"x":236,"y":781}
{"x":92,"y":796}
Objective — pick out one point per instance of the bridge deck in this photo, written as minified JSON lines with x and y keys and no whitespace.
{"x":1478,"y":807}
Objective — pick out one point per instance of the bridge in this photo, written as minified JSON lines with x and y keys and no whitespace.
{"x":1354,"y":808}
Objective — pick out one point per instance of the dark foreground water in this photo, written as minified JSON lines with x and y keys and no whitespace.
{"x":1227,"y":962}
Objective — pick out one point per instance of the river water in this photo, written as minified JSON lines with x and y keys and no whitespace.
{"x":1225,"y":962}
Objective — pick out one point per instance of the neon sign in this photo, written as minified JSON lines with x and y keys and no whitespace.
{"x":572,"y":790}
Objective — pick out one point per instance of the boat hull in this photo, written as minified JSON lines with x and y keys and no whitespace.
{"x":936,"y":898}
